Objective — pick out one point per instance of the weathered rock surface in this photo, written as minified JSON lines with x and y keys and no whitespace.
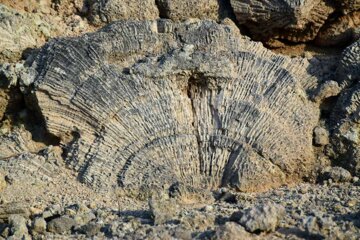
{"x":265,"y":217}
{"x":31,"y":25}
{"x":184,"y":114}
{"x":339,"y":31}
{"x":39,"y":225}
{"x":101,"y":12}
{"x":18,"y":32}
{"x":336,"y":174}
{"x":13,"y":209}
{"x":346,"y":115}
{"x":330,"y":23}
{"x":201,"y":109}
{"x":61,"y":225}
{"x":182,"y":10}
{"x":296,"y":21}
{"x":2,"y":182}
{"x":18,"y":227}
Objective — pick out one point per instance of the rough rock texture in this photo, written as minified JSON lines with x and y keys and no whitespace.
{"x":340,"y":31}
{"x":18,"y":227}
{"x":330,"y":23}
{"x":193,"y":112}
{"x":31,"y":25}
{"x":336,"y":174}
{"x":101,"y":12}
{"x":2,"y":182}
{"x":348,"y":5}
{"x":182,"y":10}
{"x":61,"y":225}
{"x":346,"y":115}
{"x":296,"y":21}
{"x":18,"y":32}
{"x":307,"y":212}
{"x":261,"y":218}
{"x":167,"y":121}
{"x":321,"y":136}
{"x":11,"y":209}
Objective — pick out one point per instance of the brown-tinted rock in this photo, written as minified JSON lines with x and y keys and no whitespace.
{"x":339,"y":31}
{"x":101,"y":12}
{"x":184,"y":9}
{"x":295,"y":21}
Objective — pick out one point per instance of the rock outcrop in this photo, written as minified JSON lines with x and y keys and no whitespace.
{"x":168,"y":102}
{"x":329,"y":23}
{"x":101,"y":12}
{"x":346,"y":115}
{"x":296,"y":21}
{"x":182,"y":10}
{"x":165,"y":122}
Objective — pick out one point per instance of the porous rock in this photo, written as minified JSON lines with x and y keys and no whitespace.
{"x":339,"y":31}
{"x":231,"y":230}
{"x":61,"y":224}
{"x":321,"y":136}
{"x":172,"y":102}
{"x":18,"y":227}
{"x":184,"y":9}
{"x":19,"y":31}
{"x":262,"y":218}
{"x":101,"y":12}
{"x":163,"y":208}
{"x":296,"y":21}
{"x":336,"y":174}
{"x":348,"y":5}
{"x":345,"y":118}
{"x":14,"y":208}
{"x":39,"y":225}
{"x":2,"y":181}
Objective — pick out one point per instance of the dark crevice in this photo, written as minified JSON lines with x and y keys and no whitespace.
{"x":192,"y":84}
{"x":326,"y":108}
{"x":161,"y":8}
{"x":36,"y":123}
{"x":21,"y":111}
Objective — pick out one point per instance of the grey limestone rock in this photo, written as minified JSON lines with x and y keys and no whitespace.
{"x":61,"y":224}
{"x":157,"y":102}
{"x":231,"y":230}
{"x":345,"y":118}
{"x":18,"y":227}
{"x":336,"y":174}
{"x":14,"y":208}
{"x":262,"y":218}
{"x":39,"y":225}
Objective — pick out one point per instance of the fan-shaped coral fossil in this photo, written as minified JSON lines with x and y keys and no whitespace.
{"x":152,"y":103}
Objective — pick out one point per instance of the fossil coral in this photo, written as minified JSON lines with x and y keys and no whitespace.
{"x":101,"y":11}
{"x":346,"y":115}
{"x":339,"y":31}
{"x":142,"y":103}
{"x":181,"y":10}
{"x":18,"y":32}
{"x":296,"y":21}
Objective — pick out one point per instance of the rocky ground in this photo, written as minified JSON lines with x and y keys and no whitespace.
{"x":43,"y":195}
